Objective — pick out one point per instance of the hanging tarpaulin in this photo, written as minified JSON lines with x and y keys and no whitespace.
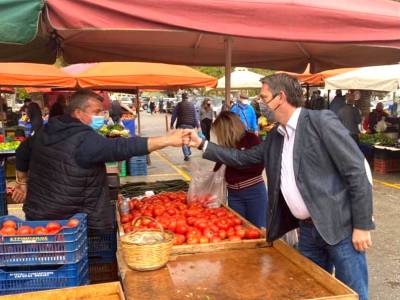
{"x":19,"y":20}
{"x":23,"y":38}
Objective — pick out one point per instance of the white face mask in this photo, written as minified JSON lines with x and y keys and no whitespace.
{"x":245,"y":101}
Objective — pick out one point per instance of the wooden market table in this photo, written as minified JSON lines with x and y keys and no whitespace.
{"x":274,"y":273}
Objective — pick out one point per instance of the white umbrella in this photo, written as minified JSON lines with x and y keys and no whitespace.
{"x":378,"y":78}
{"x":242,"y":78}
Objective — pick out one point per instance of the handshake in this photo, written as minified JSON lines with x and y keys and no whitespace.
{"x":180,"y":137}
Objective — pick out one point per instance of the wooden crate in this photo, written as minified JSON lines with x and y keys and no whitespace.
{"x":104,"y":291}
{"x":212,"y":247}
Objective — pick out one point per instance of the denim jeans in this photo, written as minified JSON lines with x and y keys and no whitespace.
{"x":350,"y":265}
{"x":186,"y":149}
{"x":251,"y":203}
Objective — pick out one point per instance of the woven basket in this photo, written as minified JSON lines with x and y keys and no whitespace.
{"x":147,"y":256}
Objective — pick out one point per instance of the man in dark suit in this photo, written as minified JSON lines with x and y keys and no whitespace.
{"x":318,"y":180}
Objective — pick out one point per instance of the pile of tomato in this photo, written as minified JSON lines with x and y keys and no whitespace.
{"x":191,"y":223}
{"x":9,"y":228}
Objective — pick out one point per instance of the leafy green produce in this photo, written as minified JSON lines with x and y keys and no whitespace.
{"x":377,"y":139}
{"x":9,"y":146}
{"x":114,"y":130}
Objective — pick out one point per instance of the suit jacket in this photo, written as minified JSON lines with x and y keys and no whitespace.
{"x":330,"y":173}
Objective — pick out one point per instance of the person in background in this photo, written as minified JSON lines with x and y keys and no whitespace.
{"x":206,"y":117}
{"x":350,"y":116}
{"x":246,"y":112}
{"x":247,"y":194}
{"x":152,"y":105}
{"x":256,"y":105}
{"x":58,"y":107}
{"x":35,"y":115}
{"x":375,"y":116}
{"x":318,"y":180}
{"x":115,"y":111}
{"x":186,"y":117}
{"x":338,"y":102}
{"x":317,"y":101}
{"x":61,"y":169}
{"x":161,"y":106}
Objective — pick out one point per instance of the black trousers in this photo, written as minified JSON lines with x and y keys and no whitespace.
{"x":206,"y":128}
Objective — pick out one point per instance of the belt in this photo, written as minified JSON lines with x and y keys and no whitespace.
{"x":307,"y":221}
{"x":245,"y":184}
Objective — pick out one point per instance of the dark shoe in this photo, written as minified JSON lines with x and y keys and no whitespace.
{"x":187,"y":158}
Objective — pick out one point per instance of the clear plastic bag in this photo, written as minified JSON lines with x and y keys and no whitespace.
{"x":207,"y":187}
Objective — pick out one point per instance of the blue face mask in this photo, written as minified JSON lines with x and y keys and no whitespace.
{"x":97,"y":122}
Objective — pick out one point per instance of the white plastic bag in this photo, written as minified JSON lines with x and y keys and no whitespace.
{"x":207,"y":187}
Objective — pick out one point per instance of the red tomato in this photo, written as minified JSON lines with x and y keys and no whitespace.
{"x":181,"y":228}
{"x":171,"y":211}
{"x":241,"y":233}
{"x":40,"y":230}
{"x":236,"y":220}
{"x":73,"y":223}
{"x":204,"y":240}
{"x":158,"y":211}
{"x":209,"y":233}
{"x":127,"y":227}
{"x":230,"y":232}
{"x":193,"y":240}
{"x":125,"y":219}
{"x":9,"y":224}
{"x":252,"y":233}
{"x":222,"y":234}
{"x":223,"y":224}
{"x":179,"y":239}
{"x":24,"y":230}
{"x":193,"y":232}
{"x":191,"y":220}
{"x":172,"y":225}
{"x":235,"y":238}
{"x":8,"y":231}
{"x":53,"y":227}
{"x":201,"y":225}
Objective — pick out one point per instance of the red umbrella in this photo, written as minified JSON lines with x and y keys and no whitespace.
{"x":277,"y":34}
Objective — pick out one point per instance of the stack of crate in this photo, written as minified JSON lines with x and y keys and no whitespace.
{"x":138,"y":166}
{"x":41,"y":262}
{"x":103,"y":265}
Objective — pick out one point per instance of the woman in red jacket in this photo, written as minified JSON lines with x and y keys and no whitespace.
{"x":247,"y":194}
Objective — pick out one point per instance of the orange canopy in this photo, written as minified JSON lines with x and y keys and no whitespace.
{"x":128,"y":75}
{"x":34,"y":75}
{"x":317,"y":78}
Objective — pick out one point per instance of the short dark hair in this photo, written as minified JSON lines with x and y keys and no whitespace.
{"x":27,"y":100}
{"x":283,"y":82}
{"x":185,"y":96}
{"x":80,"y":99}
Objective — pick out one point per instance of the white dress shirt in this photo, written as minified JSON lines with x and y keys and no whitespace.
{"x":289,"y":189}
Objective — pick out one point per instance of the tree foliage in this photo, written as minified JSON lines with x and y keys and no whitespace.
{"x":219,"y":72}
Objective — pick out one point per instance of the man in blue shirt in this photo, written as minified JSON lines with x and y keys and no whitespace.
{"x":246,"y":112}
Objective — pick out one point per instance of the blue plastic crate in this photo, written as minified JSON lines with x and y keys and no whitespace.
{"x":26,"y":279}
{"x":142,"y":158}
{"x":69,"y":245}
{"x":102,"y":245}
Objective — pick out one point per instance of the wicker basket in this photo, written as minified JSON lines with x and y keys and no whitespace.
{"x":149,"y":255}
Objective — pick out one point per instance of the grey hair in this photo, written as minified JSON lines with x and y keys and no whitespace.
{"x":80,"y":99}
{"x":283,"y":82}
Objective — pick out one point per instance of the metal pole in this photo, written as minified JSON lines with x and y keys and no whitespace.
{"x":329,"y":104}
{"x":166,"y":123}
{"x":138,"y":110}
{"x":228,"y":67}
